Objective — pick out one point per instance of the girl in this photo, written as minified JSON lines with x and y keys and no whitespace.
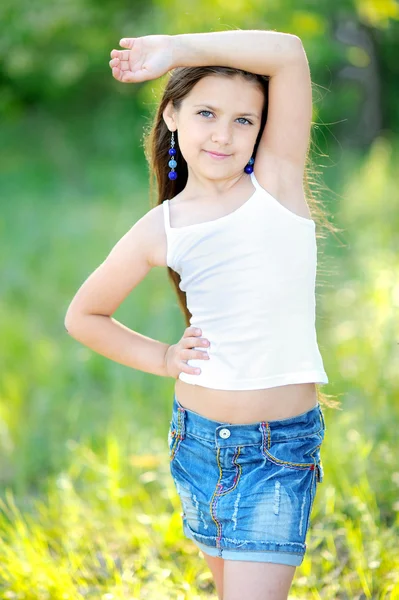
{"x":228,"y":149}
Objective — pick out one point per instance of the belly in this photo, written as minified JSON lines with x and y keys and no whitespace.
{"x":247,"y":406}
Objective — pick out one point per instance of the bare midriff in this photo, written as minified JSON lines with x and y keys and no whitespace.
{"x":247,"y":406}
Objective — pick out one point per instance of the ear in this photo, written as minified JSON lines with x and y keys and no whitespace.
{"x":169,"y":116}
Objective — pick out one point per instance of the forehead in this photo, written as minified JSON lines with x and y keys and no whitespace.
{"x":235,"y":93}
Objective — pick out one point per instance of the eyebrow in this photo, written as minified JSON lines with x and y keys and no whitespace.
{"x":248,"y":114}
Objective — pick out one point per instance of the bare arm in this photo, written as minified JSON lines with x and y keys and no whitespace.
{"x":88,"y":318}
{"x":262,"y":52}
{"x":284,"y":143}
{"x":280,"y":56}
{"x":151,"y":56}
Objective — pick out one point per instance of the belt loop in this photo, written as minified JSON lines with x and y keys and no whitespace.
{"x":269,"y":435}
{"x":265,"y":430}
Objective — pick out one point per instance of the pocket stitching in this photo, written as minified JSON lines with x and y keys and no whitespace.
{"x":175,"y":436}
{"x":280,"y":462}
{"x":292,"y":465}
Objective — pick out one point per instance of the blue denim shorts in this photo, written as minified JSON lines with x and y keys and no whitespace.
{"x":247,"y":490}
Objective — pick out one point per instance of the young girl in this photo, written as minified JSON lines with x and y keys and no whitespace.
{"x":228,"y":148}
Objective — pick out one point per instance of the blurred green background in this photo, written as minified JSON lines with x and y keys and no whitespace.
{"x":87,"y":504}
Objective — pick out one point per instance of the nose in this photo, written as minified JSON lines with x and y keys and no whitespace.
{"x":222,"y":134}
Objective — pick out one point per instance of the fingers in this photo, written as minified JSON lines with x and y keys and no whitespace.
{"x":192,"y":338}
{"x":127,"y":42}
{"x":116,"y":73}
{"x":191,"y":342}
{"x":119,"y":62}
{"x":120,"y":54}
{"x":184,"y":368}
{"x":115,"y":62}
{"x":119,"y":69}
{"x":129,"y":77}
{"x":191,"y":330}
{"x":188,"y":354}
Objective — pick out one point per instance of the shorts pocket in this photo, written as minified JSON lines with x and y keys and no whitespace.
{"x":300,"y":453}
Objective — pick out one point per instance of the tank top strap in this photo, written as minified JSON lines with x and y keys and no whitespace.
{"x":166,"y":216}
{"x":256,"y":182}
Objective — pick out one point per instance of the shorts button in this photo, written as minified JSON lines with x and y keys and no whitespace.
{"x":224,"y":433}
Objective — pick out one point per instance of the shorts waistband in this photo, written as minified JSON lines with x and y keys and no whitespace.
{"x":229,"y":434}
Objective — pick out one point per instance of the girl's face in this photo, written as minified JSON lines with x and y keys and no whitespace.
{"x":223,"y":115}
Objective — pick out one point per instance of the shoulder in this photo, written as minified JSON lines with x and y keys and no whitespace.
{"x":151,"y":230}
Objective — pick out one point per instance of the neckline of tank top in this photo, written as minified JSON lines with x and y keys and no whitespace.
{"x":258,"y":188}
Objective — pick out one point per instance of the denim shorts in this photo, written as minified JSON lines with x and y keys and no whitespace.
{"x":247,"y":490}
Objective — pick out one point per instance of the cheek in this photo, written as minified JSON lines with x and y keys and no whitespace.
{"x":197,"y":136}
{"x":192,"y":143}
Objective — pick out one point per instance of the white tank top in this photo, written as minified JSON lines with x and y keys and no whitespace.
{"x":249,"y":279}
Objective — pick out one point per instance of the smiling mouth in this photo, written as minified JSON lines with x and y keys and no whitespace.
{"x":217,"y":154}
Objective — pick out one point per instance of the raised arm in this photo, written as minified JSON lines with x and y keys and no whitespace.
{"x":281,"y":56}
{"x":262,"y":52}
{"x":151,"y":56}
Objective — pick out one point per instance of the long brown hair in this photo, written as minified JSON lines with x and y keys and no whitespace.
{"x":157,"y":143}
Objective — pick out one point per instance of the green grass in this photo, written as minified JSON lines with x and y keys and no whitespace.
{"x":88,"y":508}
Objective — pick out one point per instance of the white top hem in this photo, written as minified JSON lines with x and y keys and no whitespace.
{"x":319,"y":377}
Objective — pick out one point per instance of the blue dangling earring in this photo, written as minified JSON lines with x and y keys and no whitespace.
{"x":172,"y":163}
{"x":249,"y":168}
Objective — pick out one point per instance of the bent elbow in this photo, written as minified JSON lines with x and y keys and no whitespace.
{"x":70,"y":323}
{"x":67,"y":324}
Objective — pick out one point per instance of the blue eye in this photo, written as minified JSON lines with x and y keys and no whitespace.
{"x":241,"y":118}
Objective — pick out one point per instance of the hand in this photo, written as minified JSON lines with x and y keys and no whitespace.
{"x":177,"y":354}
{"x":147,"y":57}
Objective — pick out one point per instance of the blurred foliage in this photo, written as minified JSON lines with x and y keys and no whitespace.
{"x":55,"y":54}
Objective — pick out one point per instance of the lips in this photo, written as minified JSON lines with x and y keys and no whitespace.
{"x":217,"y":154}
